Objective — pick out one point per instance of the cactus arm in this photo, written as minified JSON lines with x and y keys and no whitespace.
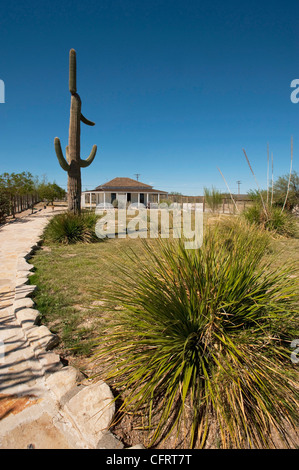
{"x":86,"y":121}
{"x":89,"y":160}
{"x":72,"y":72}
{"x":62,"y":161}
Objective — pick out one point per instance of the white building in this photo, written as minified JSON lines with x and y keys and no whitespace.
{"x":122,"y":190}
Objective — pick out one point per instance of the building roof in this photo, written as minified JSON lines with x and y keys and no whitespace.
{"x":128,"y":185}
{"x":120,"y":183}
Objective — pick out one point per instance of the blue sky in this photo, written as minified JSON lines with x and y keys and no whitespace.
{"x":176,"y":88}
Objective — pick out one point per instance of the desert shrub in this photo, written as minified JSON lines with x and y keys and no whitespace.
{"x":68,"y":228}
{"x":272,"y":219}
{"x":201,"y":337}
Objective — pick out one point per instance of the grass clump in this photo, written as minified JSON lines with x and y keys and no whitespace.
{"x":69,"y":228}
{"x":202,"y":337}
{"x":213,"y":198}
{"x":272,"y":218}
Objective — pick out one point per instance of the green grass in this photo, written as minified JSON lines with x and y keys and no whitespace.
{"x":67,"y":278}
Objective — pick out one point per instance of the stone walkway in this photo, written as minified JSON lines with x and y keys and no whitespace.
{"x":43,"y":405}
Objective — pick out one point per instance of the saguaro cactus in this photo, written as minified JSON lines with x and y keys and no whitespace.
{"x":73,"y":163}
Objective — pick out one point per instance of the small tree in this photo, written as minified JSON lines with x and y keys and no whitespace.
{"x":18,"y":187}
{"x":50,"y":191}
{"x":281,"y":188}
{"x":4,"y":204}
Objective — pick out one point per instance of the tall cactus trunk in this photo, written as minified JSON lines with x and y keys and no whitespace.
{"x":74,"y":191}
{"x":73,"y":156}
{"x":73,"y":163}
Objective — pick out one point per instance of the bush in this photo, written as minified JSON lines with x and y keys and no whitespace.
{"x":200,"y":337}
{"x":68,"y":228}
{"x":276,"y":221}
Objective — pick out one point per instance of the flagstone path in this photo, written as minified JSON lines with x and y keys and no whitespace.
{"x":43,"y":404}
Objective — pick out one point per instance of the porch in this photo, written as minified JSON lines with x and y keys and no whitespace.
{"x":90,"y":199}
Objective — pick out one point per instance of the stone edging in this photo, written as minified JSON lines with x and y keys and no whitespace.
{"x":40,"y":338}
{"x":90,"y":408}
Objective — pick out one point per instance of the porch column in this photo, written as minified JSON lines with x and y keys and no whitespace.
{"x":146,"y":199}
{"x":158,"y":198}
{"x":104,"y":200}
{"x":90,"y":195}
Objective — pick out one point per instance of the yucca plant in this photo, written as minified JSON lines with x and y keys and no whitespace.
{"x":69,"y":228}
{"x":201,"y":339}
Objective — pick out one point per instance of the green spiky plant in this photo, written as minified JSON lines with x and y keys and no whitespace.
{"x":69,"y":228}
{"x":73,"y":163}
{"x":201,"y":340}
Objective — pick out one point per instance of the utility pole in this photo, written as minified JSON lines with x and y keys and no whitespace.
{"x":238,"y":183}
{"x":137,"y":176}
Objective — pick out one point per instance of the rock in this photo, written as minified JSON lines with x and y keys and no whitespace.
{"x":137,"y":446}
{"x":64,"y":381}
{"x":109,"y":441}
{"x":92,"y":409}
{"x":24,"y":291}
{"x":28,"y":317}
{"x":50,"y":362}
{"x":23,"y":273}
{"x":26,"y":302}
{"x":22,"y":265}
{"x":21,"y":281}
{"x":41,"y":338}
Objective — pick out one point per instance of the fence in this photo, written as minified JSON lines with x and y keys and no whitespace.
{"x":226,"y":206}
